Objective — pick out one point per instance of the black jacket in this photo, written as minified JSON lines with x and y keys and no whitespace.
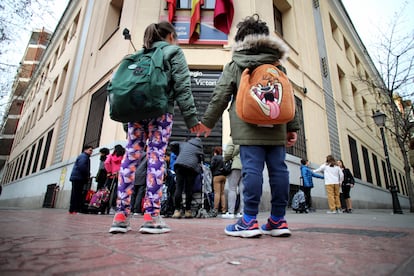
{"x":217,"y":165}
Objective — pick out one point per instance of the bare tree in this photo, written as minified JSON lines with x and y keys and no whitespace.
{"x":17,"y":20}
{"x":394,"y":59}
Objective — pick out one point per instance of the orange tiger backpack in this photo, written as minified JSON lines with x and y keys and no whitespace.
{"x":265,"y":97}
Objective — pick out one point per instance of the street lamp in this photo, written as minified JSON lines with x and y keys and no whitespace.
{"x":379,"y":119}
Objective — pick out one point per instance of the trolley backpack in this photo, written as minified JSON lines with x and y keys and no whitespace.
{"x":99,"y":201}
{"x":265,"y":97}
{"x":139,"y":88}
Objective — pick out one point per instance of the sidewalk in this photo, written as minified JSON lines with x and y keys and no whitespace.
{"x":52,"y":242}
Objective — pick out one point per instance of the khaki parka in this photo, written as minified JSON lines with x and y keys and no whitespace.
{"x":253,"y":51}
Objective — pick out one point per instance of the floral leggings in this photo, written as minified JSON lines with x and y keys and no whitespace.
{"x":155,"y":133}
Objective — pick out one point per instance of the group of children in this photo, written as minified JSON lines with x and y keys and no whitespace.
{"x":337,"y":178}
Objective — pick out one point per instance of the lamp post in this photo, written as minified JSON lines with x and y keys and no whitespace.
{"x":379,"y":119}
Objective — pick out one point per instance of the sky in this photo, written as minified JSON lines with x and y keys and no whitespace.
{"x":20,"y":24}
{"x":368,"y":17}
{"x":371,"y":17}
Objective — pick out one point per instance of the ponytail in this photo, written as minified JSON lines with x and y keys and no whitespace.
{"x":157,"y":32}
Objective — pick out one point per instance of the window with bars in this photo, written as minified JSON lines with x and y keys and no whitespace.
{"x":367,"y":164}
{"x":354,"y":157}
{"x":299,"y":149}
{"x":277,"y":16}
{"x":377,"y":170}
{"x":95,"y":118}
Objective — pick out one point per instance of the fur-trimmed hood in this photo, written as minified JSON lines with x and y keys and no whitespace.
{"x":259,"y":49}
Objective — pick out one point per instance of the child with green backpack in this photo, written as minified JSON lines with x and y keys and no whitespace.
{"x":154,"y":131}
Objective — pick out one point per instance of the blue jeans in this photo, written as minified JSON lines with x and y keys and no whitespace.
{"x":253,"y":159}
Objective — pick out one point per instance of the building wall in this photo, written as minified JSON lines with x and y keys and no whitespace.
{"x":87,"y":48}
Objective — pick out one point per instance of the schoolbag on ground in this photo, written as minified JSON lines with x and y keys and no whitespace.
{"x":299,"y":202}
{"x":99,"y":201}
{"x":265,"y":97}
{"x":139,"y":88}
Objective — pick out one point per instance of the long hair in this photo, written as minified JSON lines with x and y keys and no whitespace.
{"x":119,"y":150}
{"x":157,"y":32}
{"x":342,"y":166}
{"x":249,"y":26}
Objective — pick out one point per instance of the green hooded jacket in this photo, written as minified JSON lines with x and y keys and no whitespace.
{"x":180,"y":83}
{"x":253,"y":51}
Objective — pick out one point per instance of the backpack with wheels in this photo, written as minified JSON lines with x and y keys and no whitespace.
{"x":99,"y":201}
{"x":139,"y":88}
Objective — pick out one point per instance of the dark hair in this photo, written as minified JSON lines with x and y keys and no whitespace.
{"x":85,"y":147}
{"x":119,"y":150}
{"x":342,"y":164}
{"x":251,"y":25}
{"x":303,"y":161}
{"x":157,"y":32}
{"x":104,"y":151}
{"x":218,"y":150}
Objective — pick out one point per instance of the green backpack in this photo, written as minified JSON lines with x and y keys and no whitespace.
{"x":139,"y":88}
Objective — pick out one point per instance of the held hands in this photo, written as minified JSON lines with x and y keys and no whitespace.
{"x":291,"y":139}
{"x":200,"y":128}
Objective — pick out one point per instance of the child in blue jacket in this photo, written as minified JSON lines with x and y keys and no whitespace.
{"x":307,"y":175}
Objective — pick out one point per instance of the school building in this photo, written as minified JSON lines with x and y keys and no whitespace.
{"x":64,"y":103}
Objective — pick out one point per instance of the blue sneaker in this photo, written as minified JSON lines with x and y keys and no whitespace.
{"x":243,"y":229}
{"x":276,"y":228}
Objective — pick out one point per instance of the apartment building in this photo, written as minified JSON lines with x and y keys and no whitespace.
{"x":36,"y":46}
{"x":66,"y":105}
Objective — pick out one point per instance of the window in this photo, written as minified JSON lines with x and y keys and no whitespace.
{"x":18,"y":167}
{"x":336,"y":34}
{"x":401,"y":184}
{"x":366,"y":111}
{"x":348,"y":51}
{"x":74,"y":25}
{"x":37,"y":111}
{"x":64,"y":41}
{"x":24,"y":163}
{"x":36,"y":160}
{"x":62,"y":80}
{"x":357,"y":65}
{"x":186,"y":4}
{"x":33,"y":119}
{"x":377,"y":171}
{"x":342,"y":85}
{"x":30,"y":159}
{"x":358,"y":106}
{"x":277,"y":16}
{"x":15,"y":165}
{"x":299,"y":149}
{"x":95,"y":118}
{"x":354,"y":157}
{"x":367,"y":164}
{"x":52,"y":93}
{"x":44,"y":100}
{"x":113,"y":18}
{"x":54,"y":58}
{"x":46,"y":150}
